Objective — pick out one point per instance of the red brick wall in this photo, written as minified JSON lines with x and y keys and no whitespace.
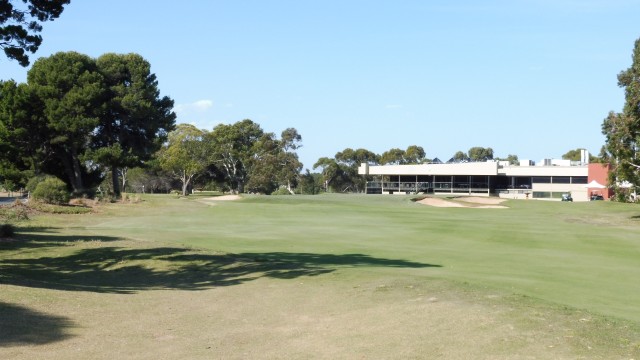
{"x":600,"y":173}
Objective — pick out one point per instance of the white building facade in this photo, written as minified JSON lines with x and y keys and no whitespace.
{"x":491,"y":178}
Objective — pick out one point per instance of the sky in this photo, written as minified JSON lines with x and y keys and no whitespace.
{"x":533,"y":78}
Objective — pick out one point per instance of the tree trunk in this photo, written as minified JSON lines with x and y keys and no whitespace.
{"x":123,"y":174}
{"x":77,"y":172}
{"x":72,"y":168}
{"x":115,"y":181}
{"x":289,"y":187}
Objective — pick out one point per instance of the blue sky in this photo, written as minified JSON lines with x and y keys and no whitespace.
{"x":534,"y":78}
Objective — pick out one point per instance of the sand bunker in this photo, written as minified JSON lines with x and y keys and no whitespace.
{"x":464,"y":202}
{"x":224,"y":198}
{"x":214,"y":199}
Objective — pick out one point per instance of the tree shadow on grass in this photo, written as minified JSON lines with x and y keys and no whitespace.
{"x":39,"y":237}
{"x":23,"y":326}
{"x":124,"y":270}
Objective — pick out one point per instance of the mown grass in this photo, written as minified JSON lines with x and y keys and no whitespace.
{"x":583,"y":255}
{"x":577,"y":259}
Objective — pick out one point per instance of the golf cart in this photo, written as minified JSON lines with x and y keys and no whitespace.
{"x":567,"y":197}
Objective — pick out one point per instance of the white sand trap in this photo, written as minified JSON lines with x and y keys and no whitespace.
{"x":472,"y":202}
{"x":440,"y":202}
{"x":212,"y":200}
{"x":481,"y":200}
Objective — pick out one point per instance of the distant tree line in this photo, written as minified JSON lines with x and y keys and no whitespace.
{"x":340,"y":173}
{"x":240,"y":158}
{"x":101,"y":125}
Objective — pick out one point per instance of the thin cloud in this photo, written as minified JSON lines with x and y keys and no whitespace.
{"x":197,"y":106}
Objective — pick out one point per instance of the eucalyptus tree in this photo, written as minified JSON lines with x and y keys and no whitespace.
{"x":289,"y":165}
{"x":622,"y":130}
{"x":20,"y":21}
{"x":412,"y":155}
{"x":233,"y":150}
{"x":460,"y":156}
{"x":185,"y":154}
{"x":478,"y":153}
{"x":349,"y":160}
{"x":394,"y":156}
{"x":334,"y":174}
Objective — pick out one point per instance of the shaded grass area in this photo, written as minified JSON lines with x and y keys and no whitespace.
{"x":20,"y":325}
{"x":45,"y":259}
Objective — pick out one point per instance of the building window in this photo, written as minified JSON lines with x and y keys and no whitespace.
{"x":541,"y":179}
{"x":541,"y":195}
{"x":561,"y":180}
{"x":579,"y":180}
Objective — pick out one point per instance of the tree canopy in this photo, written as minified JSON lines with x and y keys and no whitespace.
{"x":20,"y":23}
{"x":185,"y":154}
{"x":78,"y":118}
{"x":412,"y":155}
{"x":622,"y":130}
{"x":478,"y":153}
{"x":134,"y":120}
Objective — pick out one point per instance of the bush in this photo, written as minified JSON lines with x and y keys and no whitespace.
{"x":14,"y":213}
{"x":58,"y":209}
{"x":7,"y":230}
{"x":33,"y":183}
{"x":51,"y":191}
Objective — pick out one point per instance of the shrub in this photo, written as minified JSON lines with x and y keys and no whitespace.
{"x":52,"y":191}
{"x":58,"y":209}
{"x":6,"y":230}
{"x":33,"y":183}
{"x":14,"y":214}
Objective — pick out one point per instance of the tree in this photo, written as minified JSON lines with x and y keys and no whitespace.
{"x":71,"y":92}
{"x":460,"y":156}
{"x":334,"y":174}
{"x":573,"y":155}
{"x":135,"y":120}
{"x":393,"y":156}
{"x":480,"y":154}
{"x":19,"y":25}
{"x":353,"y":158}
{"x":185,"y":155}
{"x":288,"y":163}
{"x":622,"y":130}
{"x":233,"y":150}
{"x":512,"y":159}
{"x":17,"y":133}
{"x":310,"y":183}
{"x":349,"y":161}
{"x":415,"y":155}
{"x":274,"y":163}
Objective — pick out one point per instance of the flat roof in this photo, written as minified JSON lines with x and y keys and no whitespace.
{"x":489,"y":168}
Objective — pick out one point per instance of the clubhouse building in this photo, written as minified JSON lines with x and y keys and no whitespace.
{"x":548,"y":180}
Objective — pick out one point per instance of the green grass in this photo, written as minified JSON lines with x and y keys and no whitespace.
{"x":581,"y":257}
